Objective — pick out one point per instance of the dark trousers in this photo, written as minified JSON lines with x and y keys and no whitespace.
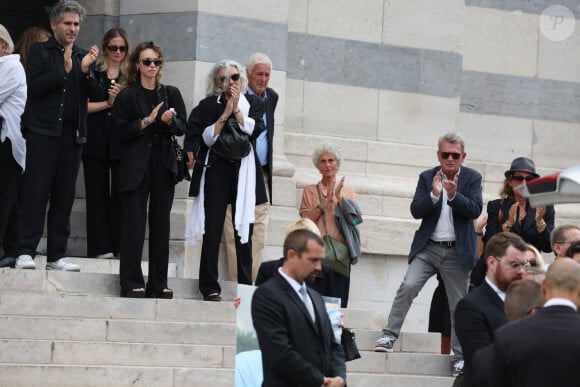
{"x":52,"y":166}
{"x":157,"y":186}
{"x":10,"y":174}
{"x":220,"y":188}
{"x":341,"y":288}
{"x":103,"y":205}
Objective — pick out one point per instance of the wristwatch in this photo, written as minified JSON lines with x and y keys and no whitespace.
{"x":146,"y":121}
{"x":221,"y":120}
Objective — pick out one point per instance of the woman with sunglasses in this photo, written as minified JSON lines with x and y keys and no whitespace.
{"x":219,"y":180}
{"x":512,"y":212}
{"x":147,"y":114}
{"x":103,"y":149}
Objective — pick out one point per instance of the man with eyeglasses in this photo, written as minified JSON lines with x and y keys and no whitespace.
{"x":562,"y":237}
{"x":60,"y":81}
{"x":447,"y":200}
{"x":481,"y":312}
{"x":543,"y":350}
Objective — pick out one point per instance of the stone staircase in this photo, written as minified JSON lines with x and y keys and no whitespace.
{"x":72,"y":329}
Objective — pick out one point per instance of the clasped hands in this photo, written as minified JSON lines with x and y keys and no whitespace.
{"x":166,"y":117}
{"x":334,"y":190}
{"x":450,"y":186}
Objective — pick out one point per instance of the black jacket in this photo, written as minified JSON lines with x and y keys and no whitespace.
{"x":129,"y":109}
{"x":207,"y":113}
{"x":46,"y":78}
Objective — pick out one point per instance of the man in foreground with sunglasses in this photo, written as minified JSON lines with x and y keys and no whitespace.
{"x":447,"y":200}
{"x":481,"y":312}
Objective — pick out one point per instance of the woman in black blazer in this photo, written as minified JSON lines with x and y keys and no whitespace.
{"x":147,"y":114}
{"x":102,"y":150}
{"x":217,"y":180}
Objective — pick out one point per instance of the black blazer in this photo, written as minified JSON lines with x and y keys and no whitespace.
{"x":477,"y":316}
{"x":295,"y":351}
{"x":102,"y":136}
{"x":482,"y":360}
{"x":271,"y":102}
{"x":527,"y":230}
{"x":466,"y":207}
{"x":129,"y":109}
{"x":205,"y":114}
{"x":537,"y":351}
{"x":323,"y":283}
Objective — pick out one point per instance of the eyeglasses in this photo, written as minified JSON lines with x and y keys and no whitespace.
{"x":117,"y":48}
{"x":515,"y":265}
{"x":147,"y":62}
{"x":521,"y":178}
{"x":445,"y":155}
{"x":234,"y":77}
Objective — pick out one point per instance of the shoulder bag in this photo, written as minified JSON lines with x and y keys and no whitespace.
{"x":336,"y":253}
{"x":232,"y":144}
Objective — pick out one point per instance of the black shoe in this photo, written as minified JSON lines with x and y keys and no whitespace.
{"x":133,"y":293}
{"x":7,"y":262}
{"x":166,"y":294}
{"x":212,"y":297}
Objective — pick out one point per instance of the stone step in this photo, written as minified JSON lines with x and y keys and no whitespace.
{"x":116,"y":354}
{"x":401,"y":363}
{"x":57,"y":375}
{"x":93,"y":283}
{"x":372,"y":380}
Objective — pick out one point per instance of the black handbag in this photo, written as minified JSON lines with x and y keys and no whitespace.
{"x":232,"y":144}
{"x":349,"y":346}
{"x":181,"y":159}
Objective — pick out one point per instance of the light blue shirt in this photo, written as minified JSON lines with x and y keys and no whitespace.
{"x":262,"y":140}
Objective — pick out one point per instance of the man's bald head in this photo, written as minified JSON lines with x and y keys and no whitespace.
{"x":563,"y":280}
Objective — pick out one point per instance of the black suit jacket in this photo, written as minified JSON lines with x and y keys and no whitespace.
{"x":538,"y":351}
{"x":323,"y":283}
{"x":295,"y":351}
{"x":477,"y":316}
{"x":271,"y":103}
{"x":466,"y":207}
{"x":129,"y":109}
{"x":482,"y":361}
{"x":527,"y":230}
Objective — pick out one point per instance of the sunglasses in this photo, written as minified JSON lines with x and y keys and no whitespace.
{"x":117,"y":48}
{"x":520,"y":178}
{"x":445,"y":155}
{"x":234,"y":77}
{"x":147,"y":62}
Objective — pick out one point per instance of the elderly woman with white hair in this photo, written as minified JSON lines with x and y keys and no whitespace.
{"x":319,"y":203}
{"x":220,"y":131}
{"x":12,"y":144}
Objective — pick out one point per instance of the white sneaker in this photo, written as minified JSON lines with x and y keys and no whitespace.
{"x":62,"y":264}
{"x":25,"y":262}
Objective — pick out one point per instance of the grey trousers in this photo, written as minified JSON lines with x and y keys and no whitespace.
{"x":432,"y":259}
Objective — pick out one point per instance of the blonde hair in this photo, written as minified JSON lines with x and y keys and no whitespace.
{"x":301,"y":224}
{"x":538,"y":257}
{"x":5,"y":36}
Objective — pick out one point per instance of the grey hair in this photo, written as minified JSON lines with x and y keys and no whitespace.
{"x":326,"y":148}
{"x":453,"y":138}
{"x":212,"y":78}
{"x":5,"y":36}
{"x":258,"y":58}
{"x":63,"y":6}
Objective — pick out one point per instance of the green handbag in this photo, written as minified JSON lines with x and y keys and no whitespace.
{"x":336,"y":253}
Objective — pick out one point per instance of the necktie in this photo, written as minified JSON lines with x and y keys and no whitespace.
{"x":308,"y":302}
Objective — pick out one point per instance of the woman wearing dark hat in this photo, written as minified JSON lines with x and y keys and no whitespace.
{"x":512,"y":212}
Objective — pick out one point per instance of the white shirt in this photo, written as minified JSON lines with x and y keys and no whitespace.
{"x":500,"y":293}
{"x":444,"y":230}
{"x":561,"y":302}
{"x":295,"y":285}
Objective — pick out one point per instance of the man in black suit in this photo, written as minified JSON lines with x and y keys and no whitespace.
{"x":258,"y":70}
{"x":447,"y":200}
{"x":293,"y":327}
{"x":522,"y":299}
{"x":543,"y":350}
{"x":481,"y":312}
